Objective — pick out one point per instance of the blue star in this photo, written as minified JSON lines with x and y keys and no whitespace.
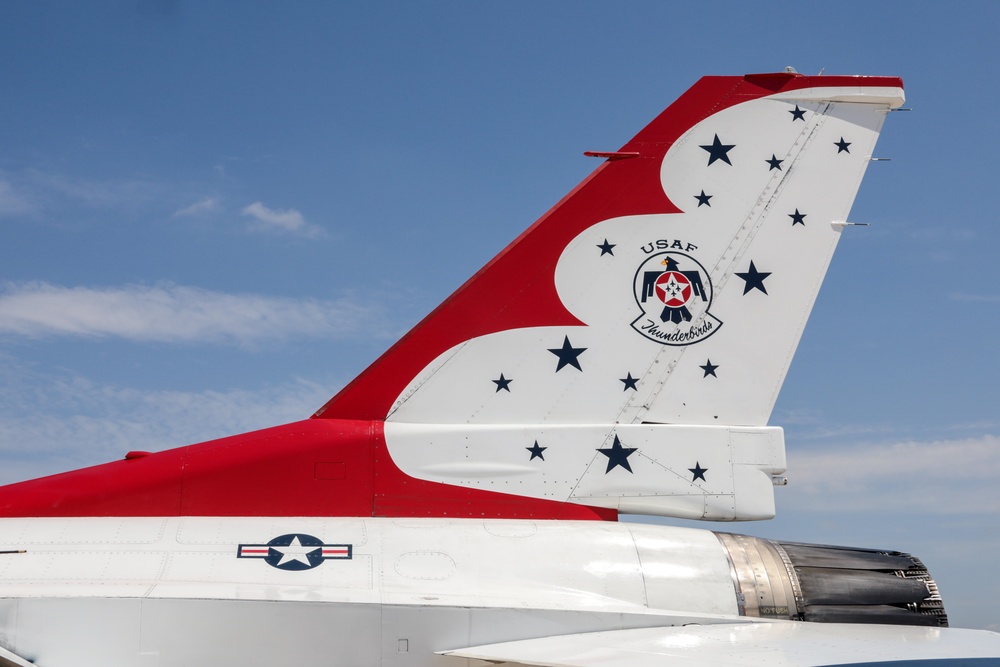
{"x":754,"y":279}
{"x":774,"y":162}
{"x":718,"y":151}
{"x":568,"y":355}
{"x":798,"y":114}
{"x":709,"y":368}
{"x":703,"y":199}
{"x":698,"y":472}
{"x":502,"y":383}
{"x":536,"y":452}
{"x":629,"y":382}
{"x":798,"y":218}
{"x":606,"y":248}
{"x":842,"y":146}
{"x":617,"y":456}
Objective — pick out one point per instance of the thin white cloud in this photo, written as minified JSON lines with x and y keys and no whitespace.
{"x":49,"y":423}
{"x":936,"y":477}
{"x":274,"y":220}
{"x":59,"y":190}
{"x":200,"y":207}
{"x":173,"y":313}
{"x":13,"y":202}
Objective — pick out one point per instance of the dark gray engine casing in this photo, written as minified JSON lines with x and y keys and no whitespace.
{"x":827,"y":584}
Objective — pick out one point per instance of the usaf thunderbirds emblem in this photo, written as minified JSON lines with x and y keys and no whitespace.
{"x":295,"y":551}
{"x":674,"y":293}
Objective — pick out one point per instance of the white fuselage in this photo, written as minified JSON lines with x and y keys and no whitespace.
{"x":205,"y":590}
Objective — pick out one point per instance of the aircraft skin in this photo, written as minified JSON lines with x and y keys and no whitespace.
{"x":457,"y":502}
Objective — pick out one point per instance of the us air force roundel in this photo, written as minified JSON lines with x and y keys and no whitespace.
{"x":674,"y":292}
{"x":295,"y":551}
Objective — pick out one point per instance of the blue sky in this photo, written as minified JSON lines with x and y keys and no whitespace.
{"x":213,"y":215}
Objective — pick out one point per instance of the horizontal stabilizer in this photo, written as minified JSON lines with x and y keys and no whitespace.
{"x":717,"y":473}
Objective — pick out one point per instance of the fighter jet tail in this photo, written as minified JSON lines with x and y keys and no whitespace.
{"x":622,"y":355}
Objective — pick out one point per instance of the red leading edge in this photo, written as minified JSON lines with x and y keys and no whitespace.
{"x":337,"y":463}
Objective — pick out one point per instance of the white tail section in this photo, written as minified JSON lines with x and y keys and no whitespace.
{"x":656,"y":309}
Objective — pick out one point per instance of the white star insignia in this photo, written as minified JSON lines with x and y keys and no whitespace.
{"x":295,"y":551}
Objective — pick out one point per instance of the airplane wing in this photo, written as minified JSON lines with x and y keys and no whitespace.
{"x":751,"y":644}
{"x":8,"y":659}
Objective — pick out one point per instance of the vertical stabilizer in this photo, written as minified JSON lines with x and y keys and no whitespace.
{"x":671,"y":286}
